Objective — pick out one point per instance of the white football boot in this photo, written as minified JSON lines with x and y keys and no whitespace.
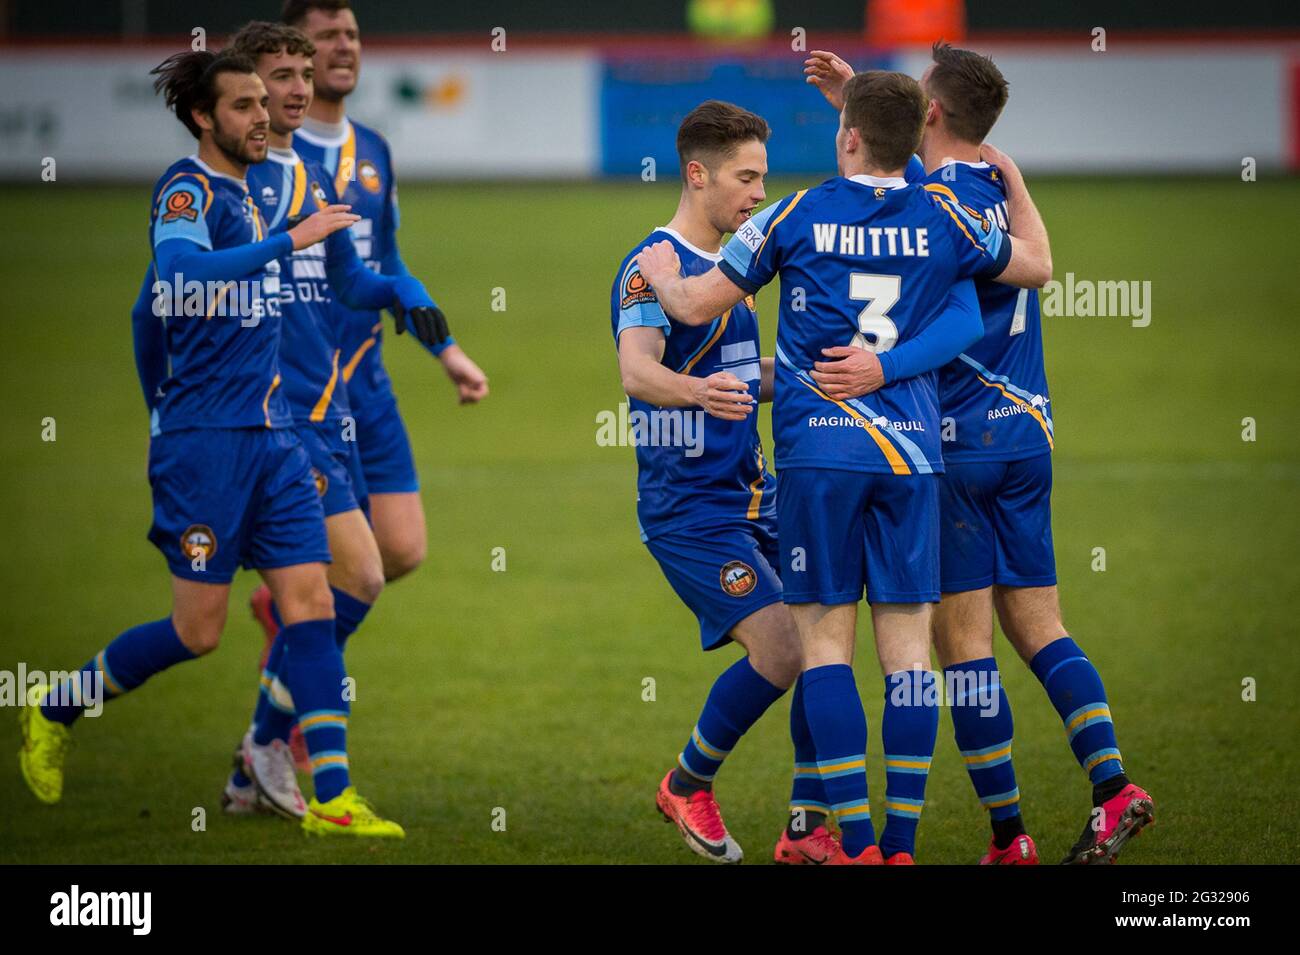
{"x":271,"y":769}
{"x":240,"y":800}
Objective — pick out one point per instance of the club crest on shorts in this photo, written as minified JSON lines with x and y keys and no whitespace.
{"x":738,"y":578}
{"x":198,"y":541}
{"x":322,"y":482}
{"x":369,"y":175}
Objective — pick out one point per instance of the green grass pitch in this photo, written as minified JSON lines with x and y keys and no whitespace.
{"x":522,"y":690}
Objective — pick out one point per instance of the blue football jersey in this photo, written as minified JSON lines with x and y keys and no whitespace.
{"x":362,"y":169}
{"x":286,"y":190}
{"x":870,"y":262}
{"x":222,"y":340}
{"x":915,"y":170}
{"x":723,"y":476}
{"x":996,"y":391}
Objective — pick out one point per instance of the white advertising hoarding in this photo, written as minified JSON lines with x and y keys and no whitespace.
{"x":485,"y":115}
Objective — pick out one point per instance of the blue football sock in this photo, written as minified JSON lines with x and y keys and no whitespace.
{"x":1075,"y":689}
{"x":316,"y":675}
{"x":807,"y":794}
{"x":983,"y":728}
{"x":738,"y":698}
{"x":839,"y":728}
{"x":908,"y":729}
{"x":273,"y":718}
{"x":123,"y":665}
{"x":348,"y":614}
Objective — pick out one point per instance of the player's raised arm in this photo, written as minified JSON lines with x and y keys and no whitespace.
{"x":697,"y":300}
{"x":828,"y":73}
{"x":646,"y":378}
{"x":1031,"y":252}
{"x":750,"y":259}
{"x":183,"y":246}
{"x":983,"y":250}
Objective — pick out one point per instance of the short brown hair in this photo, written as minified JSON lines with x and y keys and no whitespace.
{"x":262,"y":36}
{"x":294,"y":12}
{"x":969,"y":89}
{"x":714,"y":130}
{"x":888,"y":111}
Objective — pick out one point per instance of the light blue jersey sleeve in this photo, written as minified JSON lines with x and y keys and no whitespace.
{"x":183,"y":210}
{"x":638,"y":306}
{"x":751,"y":258}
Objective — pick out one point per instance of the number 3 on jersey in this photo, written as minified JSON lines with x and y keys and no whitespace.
{"x":876,"y":330}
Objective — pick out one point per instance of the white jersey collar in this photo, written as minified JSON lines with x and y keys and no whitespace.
{"x":324,"y":135}
{"x":285,"y":157}
{"x":212,"y":172}
{"x":879,"y":182}
{"x":711,"y":256}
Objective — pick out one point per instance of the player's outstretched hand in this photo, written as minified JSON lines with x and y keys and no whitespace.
{"x":828,"y":73}
{"x":853,"y":372}
{"x":471,"y":384}
{"x":723,"y":395}
{"x":659,"y":262}
{"x":320,"y":225}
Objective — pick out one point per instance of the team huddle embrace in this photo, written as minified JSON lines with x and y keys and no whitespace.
{"x":913,"y":436}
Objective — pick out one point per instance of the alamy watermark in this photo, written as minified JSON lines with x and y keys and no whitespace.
{"x":1086,"y":298}
{"x":978,"y":688}
{"x":660,"y":428}
{"x":83,"y":688}
{"x":244,"y":299}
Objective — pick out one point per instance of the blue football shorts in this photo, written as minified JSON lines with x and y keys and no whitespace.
{"x":845,"y":531}
{"x":230,"y":497}
{"x":995,"y":521}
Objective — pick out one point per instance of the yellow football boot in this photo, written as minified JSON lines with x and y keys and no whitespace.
{"x":45,"y":745}
{"x":348,"y":814}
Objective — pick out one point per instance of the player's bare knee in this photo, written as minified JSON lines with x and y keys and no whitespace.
{"x":200,"y":635}
{"x":772,"y":642}
{"x":362,"y":579}
{"x":779,"y":664}
{"x":403,"y":556}
{"x":962,"y":627}
{"x":306,"y":600}
{"x":317,"y":604}
{"x":369,"y":584}
{"x":1030,"y":617}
